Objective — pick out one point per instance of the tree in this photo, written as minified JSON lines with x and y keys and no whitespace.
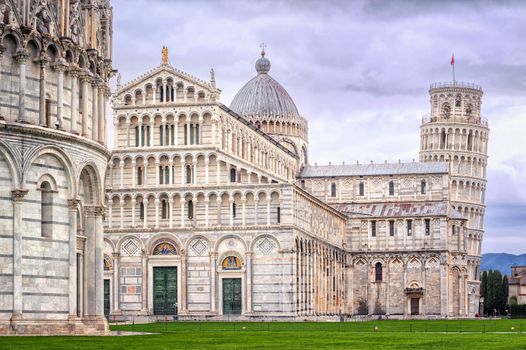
{"x":484,"y":290}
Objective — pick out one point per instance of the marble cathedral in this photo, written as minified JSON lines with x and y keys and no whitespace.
{"x":215,"y":212}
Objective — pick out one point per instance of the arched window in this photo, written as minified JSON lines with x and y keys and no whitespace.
{"x":457,"y":101}
{"x":423,"y":185}
{"x":361,"y":189}
{"x":47,"y":112}
{"x":161,"y":138}
{"x":378,"y":272}
{"x":137,"y":136}
{"x":233,"y":210}
{"x":141,"y":210}
{"x":46,"y":209}
{"x":232,"y":174}
{"x":161,"y":93}
{"x":333,"y":189}
{"x":469,"y":109}
{"x":446,"y":110}
{"x":189,"y":174}
{"x":190,"y":209}
{"x":139,"y":175}
{"x":164,"y":209}
{"x":279,"y":215}
{"x":391,"y":188}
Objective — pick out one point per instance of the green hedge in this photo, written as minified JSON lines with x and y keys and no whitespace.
{"x":518,"y":311}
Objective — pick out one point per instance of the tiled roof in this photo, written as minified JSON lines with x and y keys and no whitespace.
{"x":391,"y":210}
{"x":374,"y":169}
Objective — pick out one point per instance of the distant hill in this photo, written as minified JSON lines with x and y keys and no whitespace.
{"x":502,"y":261}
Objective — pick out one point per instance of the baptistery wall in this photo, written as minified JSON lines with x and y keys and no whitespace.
{"x":55,"y":59}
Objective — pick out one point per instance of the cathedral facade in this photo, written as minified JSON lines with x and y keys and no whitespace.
{"x":55,"y":64}
{"x":215,"y":212}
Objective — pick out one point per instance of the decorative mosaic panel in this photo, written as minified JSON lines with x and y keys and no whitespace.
{"x":131,"y":248}
{"x":164,"y":247}
{"x":199,"y":247}
{"x":266,"y":246}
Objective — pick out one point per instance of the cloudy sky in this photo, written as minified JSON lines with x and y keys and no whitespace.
{"x":359,"y":71}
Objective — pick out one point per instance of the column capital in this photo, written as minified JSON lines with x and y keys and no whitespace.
{"x":60,"y":65}
{"x":74,"y":71}
{"x":116,"y":255}
{"x":21,"y":56}
{"x":18,"y":194}
{"x":73,"y":203}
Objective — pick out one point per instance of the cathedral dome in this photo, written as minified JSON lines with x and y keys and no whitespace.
{"x":263,"y":95}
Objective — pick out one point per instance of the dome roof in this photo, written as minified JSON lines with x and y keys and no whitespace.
{"x":263,"y":95}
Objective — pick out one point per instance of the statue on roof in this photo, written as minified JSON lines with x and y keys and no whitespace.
{"x":165,"y":55}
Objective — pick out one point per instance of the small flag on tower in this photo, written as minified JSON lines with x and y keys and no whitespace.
{"x":453,"y":66}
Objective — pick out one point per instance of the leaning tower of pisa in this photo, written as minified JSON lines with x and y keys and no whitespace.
{"x":456,"y":132}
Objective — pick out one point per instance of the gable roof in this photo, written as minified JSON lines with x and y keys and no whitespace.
{"x":168,"y":68}
{"x":374,"y":169}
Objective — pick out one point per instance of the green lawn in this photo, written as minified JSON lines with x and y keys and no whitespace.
{"x":472,"y":334}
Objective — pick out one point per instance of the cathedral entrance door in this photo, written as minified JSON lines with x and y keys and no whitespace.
{"x":231,"y":296}
{"x":165,"y":290}
{"x":106,"y":298}
{"x":415,"y":306}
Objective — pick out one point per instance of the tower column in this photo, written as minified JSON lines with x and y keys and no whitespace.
{"x":22,"y":57}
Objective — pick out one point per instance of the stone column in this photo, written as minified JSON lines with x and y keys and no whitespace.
{"x":133,"y":202}
{"x":73,"y":205}
{"x":171,"y":172}
{"x":249,"y":282}
{"x":207,"y":202}
{"x":42,"y":92}
{"x":218,"y":202}
{"x":157,"y":164}
{"x":207,"y":161}
{"x":145,"y":218}
{"x":268,"y":211}
{"x":116,"y":284}
{"x":157,"y":201}
{"x":183,"y":177}
{"x":213,"y":279}
{"x":188,"y":130}
{"x":144,"y":284}
{"x":99,"y":261}
{"x":150,"y":134}
{"x":182,"y":201}
{"x":95,"y":110}
{"x":243,"y":211}
{"x":170,"y":213}
{"x":139,"y":125}
{"x":231,"y":211}
{"x":183,"y":282}
{"x":218,"y":171}
{"x":134,"y":173}
{"x":121,"y":202}
{"x":74,"y":73}
{"x":101,"y":104}
{"x":84,"y":80}
{"x":110,"y":213}
{"x":18,"y":197}
{"x":21,"y":57}
{"x":60,"y":67}
{"x":122,"y":173}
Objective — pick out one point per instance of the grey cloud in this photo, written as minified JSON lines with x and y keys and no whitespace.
{"x":358,"y":70}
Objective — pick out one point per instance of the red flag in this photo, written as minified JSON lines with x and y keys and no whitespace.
{"x":453,"y":59}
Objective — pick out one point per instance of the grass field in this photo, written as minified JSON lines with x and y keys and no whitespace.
{"x":468,"y":334}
